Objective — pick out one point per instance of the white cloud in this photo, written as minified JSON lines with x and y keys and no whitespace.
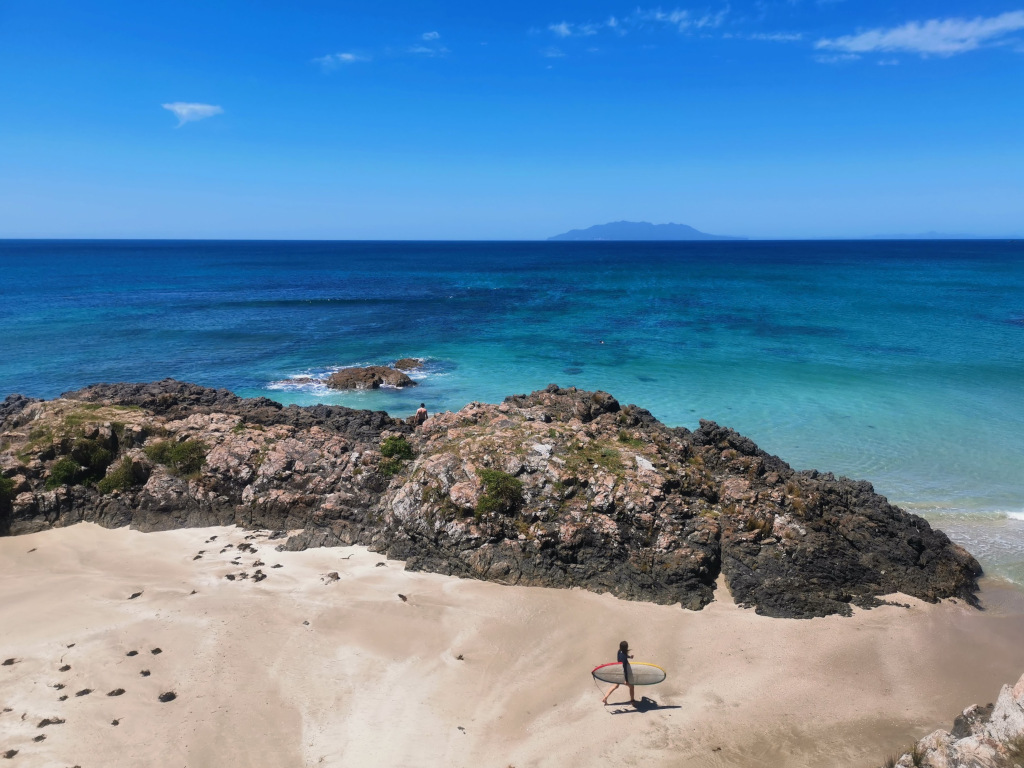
{"x":188,"y":112}
{"x":836,"y":58}
{"x":776,"y":37}
{"x":552,"y":52}
{"x":430,"y":35}
{"x":679,"y":18}
{"x":334,"y":60}
{"x":939,"y":37}
{"x":426,"y":50}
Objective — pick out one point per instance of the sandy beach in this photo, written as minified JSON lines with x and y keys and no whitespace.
{"x":304,"y":669}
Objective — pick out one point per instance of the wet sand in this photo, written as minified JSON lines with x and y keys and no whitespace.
{"x":302,"y":668}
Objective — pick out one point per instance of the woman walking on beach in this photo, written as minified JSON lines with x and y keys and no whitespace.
{"x":627,"y":671}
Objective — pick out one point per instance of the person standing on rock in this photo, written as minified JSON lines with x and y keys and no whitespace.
{"x":627,"y":672}
{"x":421,"y":415}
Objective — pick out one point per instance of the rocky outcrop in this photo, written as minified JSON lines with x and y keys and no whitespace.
{"x":369,"y":377}
{"x":557,"y":488}
{"x":982,"y":737}
{"x":408,"y":364}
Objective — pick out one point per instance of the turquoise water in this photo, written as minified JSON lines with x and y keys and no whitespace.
{"x":898,"y":362}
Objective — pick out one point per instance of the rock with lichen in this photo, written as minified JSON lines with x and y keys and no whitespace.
{"x":559,"y":488}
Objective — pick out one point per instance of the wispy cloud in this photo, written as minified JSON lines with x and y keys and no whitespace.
{"x":836,"y":58}
{"x":335,"y":60}
{"x":936,"y":37}
{"x":428,"y":50}
{"x":680,"y":19}
{"x":552,"y":52}
{"x":431,"y":35}
{"x":775,"y":37}
{"x":189,"y":112}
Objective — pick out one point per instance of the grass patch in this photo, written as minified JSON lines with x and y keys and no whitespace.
{"x":184,"y":458}
{"x":604,"y":456}
{"x":502,"y":492}
{"x":6,"y":488}
{"x":626,"y":439}
{"x":396,"y":447}
{"x":760,"y":525}
{"x":120,"y":479}
{"x":64,"y":472}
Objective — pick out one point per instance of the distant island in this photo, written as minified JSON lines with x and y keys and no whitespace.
{"x":640,"y":230}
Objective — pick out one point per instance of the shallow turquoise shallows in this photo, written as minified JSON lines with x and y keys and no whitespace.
{"x":898,"y":362}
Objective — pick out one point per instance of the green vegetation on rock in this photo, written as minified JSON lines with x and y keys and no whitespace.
{"x":185,"y":458}
{"x":502,"y":492}
{"x":6,"y":488}
{"x":119,"y":479}
{"x":64,"y":472}
{"x":396,"y":447}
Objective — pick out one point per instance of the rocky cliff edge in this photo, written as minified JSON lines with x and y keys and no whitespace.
{"x":558,"y":488}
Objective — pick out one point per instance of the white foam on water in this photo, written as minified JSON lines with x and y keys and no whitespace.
{"x":1016,"y":516}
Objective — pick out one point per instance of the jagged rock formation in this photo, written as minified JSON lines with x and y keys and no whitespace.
{"x":557,"y":488}
{"x":982,"y":737}
{"x":408,"y":364}
{"x":368,"y":377}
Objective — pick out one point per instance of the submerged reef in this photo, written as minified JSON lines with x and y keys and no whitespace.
{"x":558,"y":488}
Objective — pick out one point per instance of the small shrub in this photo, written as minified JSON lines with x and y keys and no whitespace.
{"x":184,"y":458}
{"x":93,"y":458}
{"x":390,"y":467}
{"x":890,"y":762}
{"x":1014,"y":750}
{"x":502,"y":492}
{"x":626,"y":439}
{"x":64,"y":472}
{"x":396,"y":447}
{"x":120,"y":479}
{"x":6,"y":488}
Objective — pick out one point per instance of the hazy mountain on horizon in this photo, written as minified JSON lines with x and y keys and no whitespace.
{"x":639,"y":230}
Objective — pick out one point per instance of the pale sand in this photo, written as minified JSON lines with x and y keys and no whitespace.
{"x":375,"y":681}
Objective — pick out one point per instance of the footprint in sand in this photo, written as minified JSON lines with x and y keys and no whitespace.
{"x":49,"y":721}
{"x":116,"y":692}
{"x":277,"y":565}
{"x":63,"y":698}
{"x":40,"y":737}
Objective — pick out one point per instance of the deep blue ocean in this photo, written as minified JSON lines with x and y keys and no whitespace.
{"x":897,"y":362}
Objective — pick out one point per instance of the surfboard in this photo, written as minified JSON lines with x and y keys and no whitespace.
{"x":643,"y":674}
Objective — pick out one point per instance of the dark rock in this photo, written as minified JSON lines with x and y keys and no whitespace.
{"x":408,"y":364}
{"x":116,"y":692}
{"x":144,"y":673}
{"x":10,"y":753}
{"x":9,"y":662}
{"x":604,"y":497}
{"x":50,"y":721}
{"x":40,"y":737}
{"x":156,"y":651}
{"x":370,"y":377}
{"x":84,"y":692}
{"x":167,"y":696}
{"x":132,"y":653}
{"x":65,"y":668}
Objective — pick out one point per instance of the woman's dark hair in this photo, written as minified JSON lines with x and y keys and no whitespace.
{"x":623,"y":646}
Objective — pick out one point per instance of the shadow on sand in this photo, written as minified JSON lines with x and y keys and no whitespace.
{"x":644,"y":704}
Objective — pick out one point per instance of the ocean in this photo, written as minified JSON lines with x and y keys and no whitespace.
{"x":901,"y":363}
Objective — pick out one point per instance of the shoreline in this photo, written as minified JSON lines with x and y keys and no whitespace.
{"x":376,"y":679}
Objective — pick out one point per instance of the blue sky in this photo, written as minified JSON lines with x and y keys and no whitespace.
{"x":772,"y":118}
